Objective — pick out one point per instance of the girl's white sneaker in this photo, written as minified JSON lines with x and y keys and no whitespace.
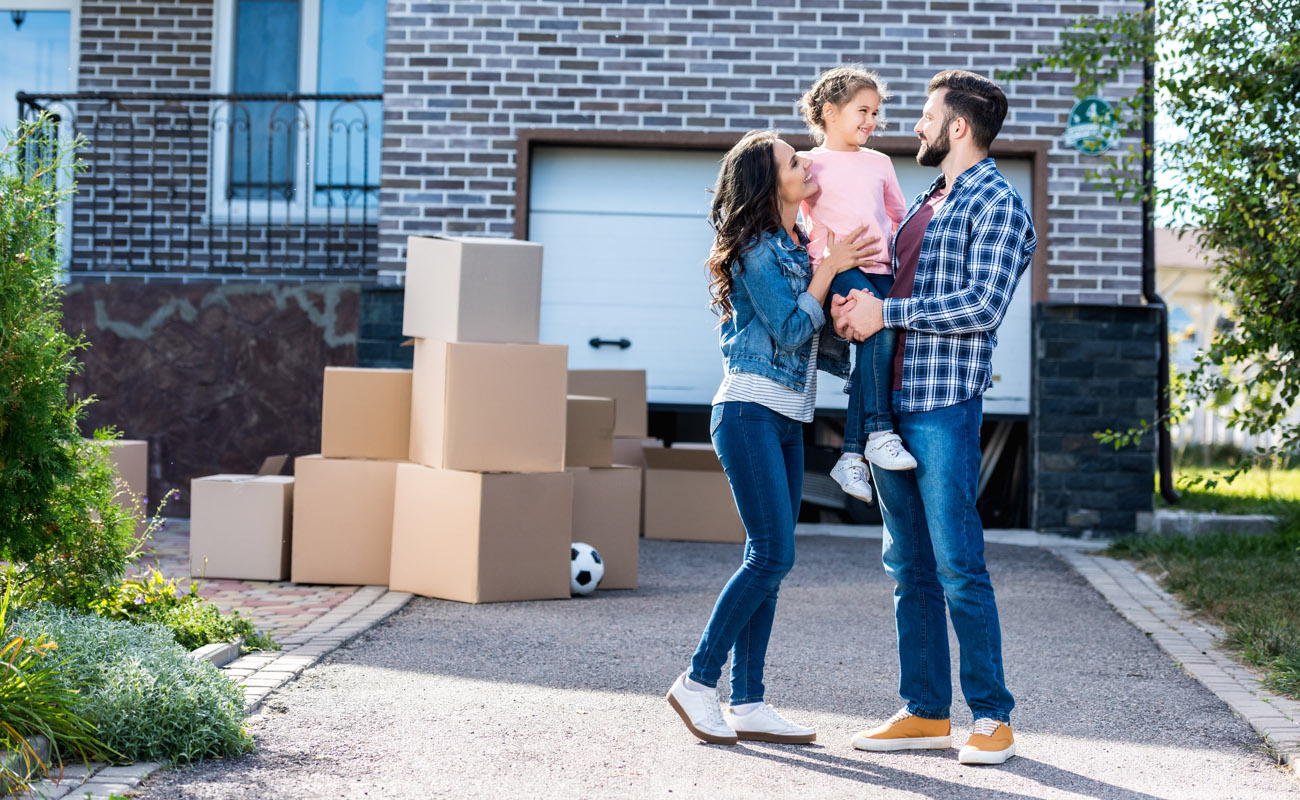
{"x":851,"y":475}
{"x":887,"y":452}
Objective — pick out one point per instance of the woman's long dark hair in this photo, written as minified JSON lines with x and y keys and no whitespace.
{"x":745,"y":204}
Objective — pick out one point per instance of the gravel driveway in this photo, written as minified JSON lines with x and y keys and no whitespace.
{"x":564,"y":699}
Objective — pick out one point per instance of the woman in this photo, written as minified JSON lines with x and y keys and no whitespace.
{"x":771,"y":309}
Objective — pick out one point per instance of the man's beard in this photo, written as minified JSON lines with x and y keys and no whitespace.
{"x":933,"y":154}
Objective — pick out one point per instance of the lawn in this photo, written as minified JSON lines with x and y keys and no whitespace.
{"x":1249,"y":585}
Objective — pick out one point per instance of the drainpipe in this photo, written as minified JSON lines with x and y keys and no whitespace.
{"x":1164,"y":447}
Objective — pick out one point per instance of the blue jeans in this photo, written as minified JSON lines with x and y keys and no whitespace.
{"x":872,"y":379}
{"x":762,"y":454}
{"x":934,"y":551}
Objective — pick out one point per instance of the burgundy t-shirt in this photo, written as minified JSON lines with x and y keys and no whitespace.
{"x":907,"y":244}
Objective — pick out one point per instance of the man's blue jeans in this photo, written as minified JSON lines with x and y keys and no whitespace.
{"x":762,"y":453}
{"x":934,"y":551}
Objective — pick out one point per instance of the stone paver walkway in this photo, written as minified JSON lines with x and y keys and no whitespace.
{"x":307,"y":621}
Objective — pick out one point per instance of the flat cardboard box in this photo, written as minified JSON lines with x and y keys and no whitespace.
{"x":626,"y":386}
{"x":688,"y":498}
{"x":488,"y":407}
{"x":629,"y":450}
{"x":473,"y":289}
{"x":607,"y":516}
{"x":589,"y":433}
{"x":366,"y":413}
{"x":343,"y":520}
{"x":240,"y":527}
{"x":481,"y":538}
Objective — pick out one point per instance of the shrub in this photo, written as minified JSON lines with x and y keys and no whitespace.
{"x":36,"y":699}
{"x":146,"y":697}
{"x":58,"y":520}
{"x":192,"y":620}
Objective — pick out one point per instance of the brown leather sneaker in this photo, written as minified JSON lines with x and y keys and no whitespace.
{"x":906,"y":731}
{"x":990,"y":743}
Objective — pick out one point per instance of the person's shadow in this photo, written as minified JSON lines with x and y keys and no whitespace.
{"x":815,"y":759}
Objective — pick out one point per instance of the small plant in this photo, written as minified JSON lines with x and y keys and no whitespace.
{"x":146,"y":697}
{"x":193,"y":621}
{"x":36,"y":699}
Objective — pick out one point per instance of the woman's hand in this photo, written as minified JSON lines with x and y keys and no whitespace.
{"x":850,"y":253}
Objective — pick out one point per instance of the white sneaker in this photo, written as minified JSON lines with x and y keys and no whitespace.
{"x":763,"y":724}
{"x":851,"y":475}
{"x":887,"y":452}
{"x":699,"y":709}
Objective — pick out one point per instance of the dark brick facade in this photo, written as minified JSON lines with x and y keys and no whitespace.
{"x":1094,"y":369}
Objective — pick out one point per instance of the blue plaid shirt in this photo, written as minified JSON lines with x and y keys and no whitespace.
{"x":972,"y":256}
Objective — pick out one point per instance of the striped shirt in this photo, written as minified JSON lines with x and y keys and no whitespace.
{"x":746,"y":387}
{"x":973,"y":254}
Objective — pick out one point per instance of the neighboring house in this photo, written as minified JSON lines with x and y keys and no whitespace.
{"x":244,"y":153}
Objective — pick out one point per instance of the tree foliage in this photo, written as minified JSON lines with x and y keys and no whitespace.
{"x":58,"y":519}
{"x":1227,"y":84}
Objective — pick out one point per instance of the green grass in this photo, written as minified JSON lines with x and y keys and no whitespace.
{"x":1248,"y":585}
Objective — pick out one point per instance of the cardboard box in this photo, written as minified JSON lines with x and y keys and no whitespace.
{"x":626,"y":386}
{"x":366,"y":413}
{"x":607,"y":516}
{"x":687,"y":496}
{"x":481,"y":538}
{"x":241,"y":526}
{"x":343,"y":520}
{"x":628,"y":450}
{"x":589,"y":432}
{"x":473,"y":289}
{"x":488,"y":407}
{"x":131,"y":459}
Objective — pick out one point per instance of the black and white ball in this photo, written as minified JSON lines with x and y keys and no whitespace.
{"x":585,"y":568}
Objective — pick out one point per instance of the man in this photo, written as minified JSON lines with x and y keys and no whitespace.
{"x":957,"y":258}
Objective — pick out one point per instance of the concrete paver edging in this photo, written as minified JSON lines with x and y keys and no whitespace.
{"x":259,"y":673}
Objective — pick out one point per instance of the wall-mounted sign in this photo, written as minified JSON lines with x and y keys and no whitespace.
{"x":1093,"y":127}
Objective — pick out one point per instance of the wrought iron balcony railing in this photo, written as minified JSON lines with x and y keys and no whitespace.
{"x":231,"y":185}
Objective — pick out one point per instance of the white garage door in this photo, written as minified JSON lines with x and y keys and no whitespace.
{"x":625,"y":240}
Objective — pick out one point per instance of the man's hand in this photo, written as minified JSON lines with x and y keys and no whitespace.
{"x":858,"y":316}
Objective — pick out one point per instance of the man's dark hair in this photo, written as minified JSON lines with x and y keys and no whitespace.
{"x":975,"y":99}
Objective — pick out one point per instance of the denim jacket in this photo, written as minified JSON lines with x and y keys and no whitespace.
{"x":773,"y":316}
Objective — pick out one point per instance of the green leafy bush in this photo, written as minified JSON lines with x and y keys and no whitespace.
{"x":146,"y":697}
{"x":37,"y":699}
{"x":58,"y":521}
{"x":191,"y":619}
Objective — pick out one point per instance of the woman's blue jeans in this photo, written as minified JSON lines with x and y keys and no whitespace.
{"x":934,"y":551}
{"x":762,"y":454}
{"x":872,"y":379}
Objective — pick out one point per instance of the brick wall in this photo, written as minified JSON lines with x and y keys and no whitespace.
{"x":461,"y":78}
{"x":1094,"y":369}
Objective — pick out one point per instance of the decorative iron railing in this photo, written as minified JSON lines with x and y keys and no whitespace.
{"x":237,"y":185}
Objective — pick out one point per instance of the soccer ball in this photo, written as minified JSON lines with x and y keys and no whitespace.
{"x":585,"y":568}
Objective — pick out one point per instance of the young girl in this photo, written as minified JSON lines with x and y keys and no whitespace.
{"x":771,"y":309}
{"x":857,"y":188}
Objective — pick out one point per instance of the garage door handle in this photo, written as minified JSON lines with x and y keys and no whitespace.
{"x":621,"y":344}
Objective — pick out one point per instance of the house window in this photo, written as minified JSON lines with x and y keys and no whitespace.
{"x":287,"y":152}
{"x":35,"y":52}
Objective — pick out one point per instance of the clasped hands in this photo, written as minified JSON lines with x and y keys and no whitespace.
{"x":858,"y":316}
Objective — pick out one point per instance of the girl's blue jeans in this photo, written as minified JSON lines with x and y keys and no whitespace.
{"x":762,"y":454}
{"x":872,"y":378}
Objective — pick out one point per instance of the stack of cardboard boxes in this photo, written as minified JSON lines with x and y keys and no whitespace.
{"x":606,"y":496}
{"x":485,"y":514}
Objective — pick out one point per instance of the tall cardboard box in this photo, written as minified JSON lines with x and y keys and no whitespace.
{"x":343,"y":520}
{"x":481,"y":538}
{"x":626,"y":386}
{"x":607,"y":516}
{"x":589,"y":432}
{"x":130,"y":458}
{"x":240,"y":527}
{"x":366,"y":413}
{"x":687,"y":496}
{"x":473,"y":289}
{"x":488,"y":407}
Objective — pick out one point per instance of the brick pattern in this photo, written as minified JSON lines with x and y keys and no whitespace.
{"x":462,"y":78}
{"x":147,"y":45}
{"x":1094,"y":369}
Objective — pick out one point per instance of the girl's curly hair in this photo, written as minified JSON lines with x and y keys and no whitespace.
{"x":837,"y":86}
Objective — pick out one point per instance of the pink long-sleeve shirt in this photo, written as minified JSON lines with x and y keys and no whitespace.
{"x":855,"y":188}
